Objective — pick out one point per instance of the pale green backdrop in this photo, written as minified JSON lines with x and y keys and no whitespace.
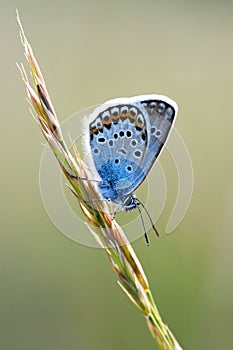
{"x":56,"y":294}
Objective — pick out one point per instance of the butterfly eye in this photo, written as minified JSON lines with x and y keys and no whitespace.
{"x":158,"y":133}
{"x":129,"y":168}
{"x":117,"y":161}
{"x":121,"y":133}
{"x":128,"y":133}
{"x":96,"y":150}
{"x":115,"y":136}
{"x":110,"y":142}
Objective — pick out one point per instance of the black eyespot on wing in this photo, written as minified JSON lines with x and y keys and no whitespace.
{"x":144,"y":135}
{"x":133,"y":143}
{"x":108,"y":126}
{"x":137,"y":154}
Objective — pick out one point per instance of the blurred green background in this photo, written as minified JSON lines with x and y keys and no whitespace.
{"x":56,"y":294}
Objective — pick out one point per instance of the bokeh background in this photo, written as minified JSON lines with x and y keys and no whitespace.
{"x":57,"y":294}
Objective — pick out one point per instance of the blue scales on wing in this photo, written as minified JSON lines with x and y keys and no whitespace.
{"x":118,"y":140}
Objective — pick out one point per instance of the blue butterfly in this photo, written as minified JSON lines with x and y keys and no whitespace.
{"x":125,"y":137}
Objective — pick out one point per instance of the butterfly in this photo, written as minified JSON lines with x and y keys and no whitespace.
{"x":125,"y":138}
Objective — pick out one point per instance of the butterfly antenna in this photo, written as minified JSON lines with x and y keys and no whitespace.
{"x":148,"y":214}
{"x":143,"y":224}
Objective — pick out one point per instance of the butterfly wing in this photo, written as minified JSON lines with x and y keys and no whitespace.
{"x":118,"y":140}
{"x":161,"y":112}
{"x":126,"y":136}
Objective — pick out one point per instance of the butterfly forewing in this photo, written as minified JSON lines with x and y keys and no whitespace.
{"x":161,"y":116}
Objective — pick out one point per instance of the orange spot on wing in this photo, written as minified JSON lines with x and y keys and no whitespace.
{"x":94,"y":131}
{"x":106,"y":122}
{"x":132,"y":117}
{"x":139,"y":125}
{"x":115,"y":118}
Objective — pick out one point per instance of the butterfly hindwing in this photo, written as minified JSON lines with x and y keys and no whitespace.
{"x":118,"y":141}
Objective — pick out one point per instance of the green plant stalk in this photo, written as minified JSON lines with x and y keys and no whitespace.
{"x":106,"y":231}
